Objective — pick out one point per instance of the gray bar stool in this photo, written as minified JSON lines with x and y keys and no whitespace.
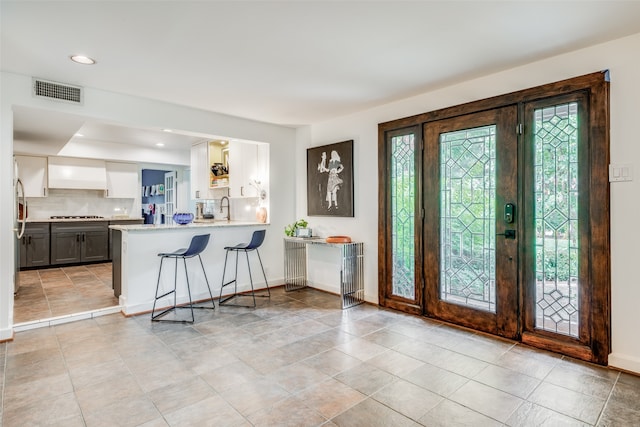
{"x":198,"y":244}
{"x":256,"y":241}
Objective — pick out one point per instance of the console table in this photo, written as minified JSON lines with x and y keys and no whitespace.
{"x":351,"y":268}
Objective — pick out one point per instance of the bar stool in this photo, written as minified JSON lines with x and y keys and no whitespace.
{"x":198,"y":244}
{"x":256,"y":241}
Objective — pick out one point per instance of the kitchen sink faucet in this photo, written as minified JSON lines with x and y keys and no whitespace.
{"x":228,"y":208}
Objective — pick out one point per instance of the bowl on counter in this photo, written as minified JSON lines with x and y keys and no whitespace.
{"x":182,"y":218}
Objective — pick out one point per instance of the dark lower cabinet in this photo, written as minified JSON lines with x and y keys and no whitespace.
{"x":79,"y":242}
{"x":34,"y":245}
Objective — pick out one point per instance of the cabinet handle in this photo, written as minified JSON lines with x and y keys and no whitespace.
{"x":77,"y":237}
{"x":197,"y":194}
{"x":242,"y":190}
{"x":44,"y":191}
{"x":83,"y":237}
{"x":29,"y":240}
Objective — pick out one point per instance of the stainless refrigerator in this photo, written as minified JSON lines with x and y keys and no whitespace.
{"x":20,"y":219}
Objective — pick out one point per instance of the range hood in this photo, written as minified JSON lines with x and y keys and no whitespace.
{"x":84,"y":174}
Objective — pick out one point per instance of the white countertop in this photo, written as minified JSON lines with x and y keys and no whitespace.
{"x":208,"y":224}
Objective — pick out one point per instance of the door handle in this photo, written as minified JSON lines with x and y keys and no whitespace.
{"x":508,"y":234}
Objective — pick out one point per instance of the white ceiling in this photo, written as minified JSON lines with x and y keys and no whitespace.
{"x":291,"y":62}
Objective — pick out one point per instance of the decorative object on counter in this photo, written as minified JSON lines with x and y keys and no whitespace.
{"x":261,"y":214}
{"x":182,"y":218}
{"x":290,"y":230}
{"x":262,"y":194}
{"x":304,"y":232}
{"x":330,"y":180}
{"x":338,"y":239}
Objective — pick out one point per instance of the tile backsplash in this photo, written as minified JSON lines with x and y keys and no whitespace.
{"x":79,"y":202}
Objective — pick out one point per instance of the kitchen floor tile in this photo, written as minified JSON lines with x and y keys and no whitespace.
{"x":370,"y":413}
{"x":61,"y":291}
{"x":573,"y":404}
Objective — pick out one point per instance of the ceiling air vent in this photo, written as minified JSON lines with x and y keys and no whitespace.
{"x":59,"y":91}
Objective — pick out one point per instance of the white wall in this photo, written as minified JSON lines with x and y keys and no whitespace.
{"x":15,"y":90}
{"x":620,"y":57}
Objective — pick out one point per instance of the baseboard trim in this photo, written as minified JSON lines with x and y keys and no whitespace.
{"x":625,"y":362}
{"x":52,"y":321}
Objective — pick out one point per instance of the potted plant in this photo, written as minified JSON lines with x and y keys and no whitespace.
{"x":292,"y":230}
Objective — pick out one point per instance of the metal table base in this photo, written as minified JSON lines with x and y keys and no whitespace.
{"x":351,"y":267}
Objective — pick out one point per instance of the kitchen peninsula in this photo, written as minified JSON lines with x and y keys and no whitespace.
{"x":136,"y":262}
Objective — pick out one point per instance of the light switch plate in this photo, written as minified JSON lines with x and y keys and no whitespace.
{"x":619,"y":173}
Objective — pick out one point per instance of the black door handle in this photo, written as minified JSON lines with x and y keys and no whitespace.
{"x":508,"y":234}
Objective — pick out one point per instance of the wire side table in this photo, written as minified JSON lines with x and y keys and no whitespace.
{"x":351,"y":267}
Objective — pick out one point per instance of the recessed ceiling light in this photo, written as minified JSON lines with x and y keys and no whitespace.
{"x":167,"y":130}
{"x":79,"y":134}
{"x":80,"y":59}
{"x":159,"y":144}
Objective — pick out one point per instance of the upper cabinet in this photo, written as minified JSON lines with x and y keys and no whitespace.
{"x":199,"y":175}
{"x":122,"y":180}
{"x":69,"y":172}
{"x":243,"y":169}
{"x":32,"y":171}
{"x":227,"y":169}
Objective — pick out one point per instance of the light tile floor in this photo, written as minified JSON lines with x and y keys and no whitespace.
{"x":298,"y":360}
{"x":58,"y":291}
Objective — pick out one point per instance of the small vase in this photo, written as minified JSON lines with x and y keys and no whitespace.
{"x":261,"y":214}
{"x":183,"y":218}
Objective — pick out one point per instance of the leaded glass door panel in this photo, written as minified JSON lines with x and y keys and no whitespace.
{"x":401,"y":275}
{"x":472,"y":251}
{"x":557,"y":287}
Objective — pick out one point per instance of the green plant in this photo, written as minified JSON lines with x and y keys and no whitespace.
{"x":290,"y":230}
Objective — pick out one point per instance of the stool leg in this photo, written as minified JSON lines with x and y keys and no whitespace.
{"x":186,"y":275}
{"x":235,"y":278}
{"x":175,"y":285}
{"x":222,"y":301}
{"x":224,"y":271}
{"x":253,"y":291}
{"x":153,"y":310}
{"x":263,"y":274}
{"x":207,"y":281}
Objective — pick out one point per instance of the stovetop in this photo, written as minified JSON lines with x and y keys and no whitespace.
{"x":76,"y":217}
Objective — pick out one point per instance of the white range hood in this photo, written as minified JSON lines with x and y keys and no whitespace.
{"x":69,"y":172}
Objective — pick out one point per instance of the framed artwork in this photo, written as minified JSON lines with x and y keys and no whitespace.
{"x":330,"y":180}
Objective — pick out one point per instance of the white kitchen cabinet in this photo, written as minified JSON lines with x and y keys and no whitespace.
{"x":71,"y":172}
{"x":32,"y":171}
{"x":199,"y":170}
{"x":122,"y":180}
{"x":243,"y":168}
{"x":203,"y":184}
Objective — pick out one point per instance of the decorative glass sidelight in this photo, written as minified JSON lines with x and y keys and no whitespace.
{"x":467,"y":217}
{"x":403,"y":208}
{"x":556,"y":218}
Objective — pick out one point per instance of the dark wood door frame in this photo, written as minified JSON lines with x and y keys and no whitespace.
{"x":595,"y":346}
